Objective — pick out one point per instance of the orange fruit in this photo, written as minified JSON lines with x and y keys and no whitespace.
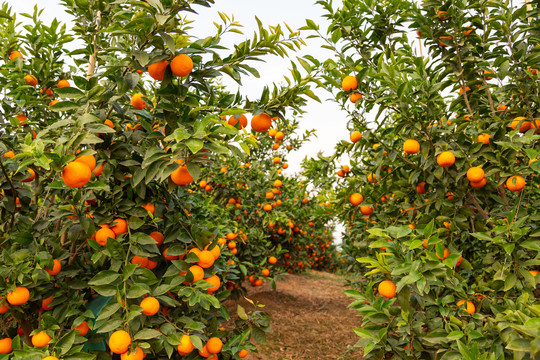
{"x":421,"y":188}
{"x":216,"y":251}
{"x":120,"y":227}
{"x":261,"y":123}
{"x":356,"y":136}
{"x":150,"y":306}
{"x":524,"y":127}
{"x":185,"y":345}
{"x":53,"y":102}
{"x":278,"y":183}
{"x":372,"y":178}
{"x":76,"y":174}
{"x":276,"y":160}
{"x":231,"y":245}
{"x":98,"y":170}
{"x":441,"y":16}
{"x":444,"y":45}
{"x":181,"y":65}
{"x":265,"y":272}
{"x":89,"y":160}
{"x":22,"y":119}
{"x":354,"y":97}
{"x":267,"y":207}
{"x":272,"y":260}
{"x":387,"y":289}
{"x":30,"y":177}
{"x":475,"y":174}
{"x":140,"y":260}
{"x":446,"y":159}
{"x":181,"y":176}
{"x":157,"y":70}
{"x":137,"y":102}
{"x":83,"y":328}
{"x":63,"y":83}
{"x":50,"y":358}
{"x":356,"y":199}
{"x":285,"y":166}
{"x":103,"y":234}
{"x":204,"y":352}
{"x":169,"y":257}
{"x":349,"y":83}
{"x":5,"y":346}
{"x":3,"y":306}
{"x":366,"y":210}
{"x":41,"y":339}
{"x":197,"y":271}
{"x":411,"y":146}
{"x":515,"y":183}
{"x":469,"y":306}
{"x":214,"y":281}
{"x":445,"y":254}
{"x":156,"y":235}
{"x":234,"y":119}
{"x":206,"y":259}
{"x":15,"y":54}
{"x":150,"y":208}
{"x":46,"y":302}
{"x":30,"y":80}
{"x":479,"y":184}
{"x":243,"y":353}
{"x":10,"y":154}
{"x":137,"y":355}
{"x":19,"y":296}
{"x":57,"y":266}
{"x":109,"y":123}
{"x":280,"y":135}
{"x":119,"y":342}
{"x":214,"y":345}
{"x":483,"y":138}
{"x":534,"y":272}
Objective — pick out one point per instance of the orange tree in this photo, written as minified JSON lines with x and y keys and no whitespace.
{"x":441,"y":200}
{"x":274,"y":225}
{"x":106,"y":250}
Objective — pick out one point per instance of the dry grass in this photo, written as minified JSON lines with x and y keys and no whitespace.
{"x":310,"y":319}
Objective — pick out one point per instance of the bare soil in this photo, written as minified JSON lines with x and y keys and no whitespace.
{"x":310,"y":319}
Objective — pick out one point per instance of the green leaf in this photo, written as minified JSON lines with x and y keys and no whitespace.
{"x":104,"y":277}
{"x":146,"y":334}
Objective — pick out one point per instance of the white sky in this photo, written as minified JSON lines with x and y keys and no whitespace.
{"x":326,"y":117}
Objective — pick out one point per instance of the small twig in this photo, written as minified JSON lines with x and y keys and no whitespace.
{"x":13,"y":191}
{"x":478,"y":207}
{"x":93,"y":57}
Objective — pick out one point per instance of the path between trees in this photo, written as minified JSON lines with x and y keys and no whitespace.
{"x":310,"y":318}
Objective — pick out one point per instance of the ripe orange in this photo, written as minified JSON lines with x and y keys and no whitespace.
{"x":515,"y":183}
{"x":181,"y":176}
{"x":5,"y":346}
{"x":475,"y":174}
{"x":41,"y":339}
{"x":356,"y":136}
{"x":349,"y":83}
{"x":156,"y":235}
{"x":10,"y":154}
{"x":206,"y":259}
{"x":265,"y":272}
{"x":98,"y":170}
{"x":157,"y":70}
{"x":276,"y":160}
{"x":22,"y":119}
{"x":534,"y":272}
{"x":356,"y":199}
{"x":50,"y":358}
{"x":372,"y":178}
{"x":261,"y":123}
{"x":366,"y":210}
{"x":243,"y":353}
{"x":215,"y":282}
{"x":89,"y":160}
{"x":3,"y":306}
{"x":120,"y":227}
{"x":150,"y":208}
{"x":524,"y":127}
{"x":57,"y":266}
{"x":119,"y":342}
{"x":63,"y":83}
{"x":15,"y":54}
{"x":445,"y":254}
{"x":469,"y":306}
{"x":483,"y":138}
{"x":421,"y":188}
{"x":76,"y":174}
{"x":204,"y":352}
{"x":214,"y":345}
{"x":137,"y":102}
{"x":30,"y":80}
{"x":19,"y":296}
{"x":272,"y":260}
{"x":197,"y":271}
{"x":137,"y":355}
{"x":140,"y":260}
{"x":53,"y":102}
{"x":83,"y":328}
{"x":30,"y":177}
{"x":234,"y":119}
{"x":280,"y":135}
{"x":446,"y":159}
{"x":181,"y":65}
{"x":267,"y":207}
{"x":354,"y":97}
{"x":479,"y":184}
{"x":278,"y":183}
{"x":103,"y":234}
{"x":411,"y":146}
{"x":387,"y":289}
{"x":150,"y":306}
{"x":185,"y":346}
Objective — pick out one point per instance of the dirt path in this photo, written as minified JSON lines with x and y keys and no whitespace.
{"x":310,"y":319}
